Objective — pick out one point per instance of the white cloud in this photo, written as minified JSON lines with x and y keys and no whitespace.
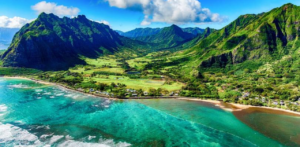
{"x":169,"y":11}
{"x":59,"y":10}
{"x":129,"y":3}
{"x":104,"y":22}
{"x":15,"y":22}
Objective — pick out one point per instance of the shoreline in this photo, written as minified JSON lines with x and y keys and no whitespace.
{"x":225,"y":106}
{"x":238,"y":107}
{"x":61,"y":86}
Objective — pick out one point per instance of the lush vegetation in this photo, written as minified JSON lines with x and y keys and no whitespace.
{"x":253,"y":60}
{"x":8,"y":71}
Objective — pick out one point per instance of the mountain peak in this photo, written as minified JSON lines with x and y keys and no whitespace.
{"x":82,"y":18}
{"x":287,"y":6}
{"x":174,"y":26}
{"x":60,"y":48}
{"x":45,"y":15}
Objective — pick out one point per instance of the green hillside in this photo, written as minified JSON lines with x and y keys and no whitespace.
{"x":264,"y":37}
{"x":168,"y":37}
{"x":256,"y":54}
{"x":195,"y":31}
{"x":140,"y":32}
{"x":53,"y":43}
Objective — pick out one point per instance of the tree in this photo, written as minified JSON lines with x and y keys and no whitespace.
{"x":152,"y":92}
{"x":158,"y":92}
{"x":140,"y":92}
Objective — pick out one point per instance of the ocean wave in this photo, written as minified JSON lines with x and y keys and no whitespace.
{"x":59,"y":94}
{"x":47,"y":93}
{"x":55,"y":138}
{"x":38,"y":90}
{"x":103,"y":143}
{"x":14,"y":135}
{"x":3,"y":108}
{"x":91,"y":137}
{"x":19,"y":86}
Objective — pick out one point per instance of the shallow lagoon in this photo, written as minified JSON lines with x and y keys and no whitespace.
{"x":36,"y":114}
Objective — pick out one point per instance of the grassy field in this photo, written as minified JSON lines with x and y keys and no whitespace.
{"x":103,"y":61}
{"x":138,"y":63}
{"x":84,"y":70}
{"x":144,"y":84}
{"x":108,"y":70}
{"x":8,"y":71}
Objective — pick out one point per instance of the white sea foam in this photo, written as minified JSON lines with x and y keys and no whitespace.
{"x":3,"y":108}
{"x":46,"y":136}
{"x":59,"y":94}
{"x":18,"y":86}
{"x":73,"y":96}
{"x":68,"y":137}
{"x":55,"y":138}
{"x":43,"y":127}
{"x":47,"y":93}
{"x":38,"y":90}
{"x":105,"y":143}
{"x":52,"y":97}
{"x":91,"y":137}
{"x":10,"y":133}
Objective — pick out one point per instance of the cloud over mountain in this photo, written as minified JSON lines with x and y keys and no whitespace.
{"x":104,"y":22}
{"x":15,"y":22}
{"x":60,"y":10}
{"x":169,"y":11}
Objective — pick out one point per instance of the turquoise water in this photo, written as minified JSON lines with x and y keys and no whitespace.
{"x":42,"y":115}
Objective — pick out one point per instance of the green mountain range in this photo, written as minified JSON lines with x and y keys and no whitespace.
{"x":167,"y":37}
{"x":262,"y":38}
{"x":53,"y":43}
{"x":140,"y":32}
{"x":50,"y":40}
{"x":195,"y":31}
{"x":256,"y":55}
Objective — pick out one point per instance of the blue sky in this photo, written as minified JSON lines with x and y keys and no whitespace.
{"x":129,"y":14}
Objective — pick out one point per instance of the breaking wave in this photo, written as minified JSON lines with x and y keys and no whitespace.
{"x":15,"y":136}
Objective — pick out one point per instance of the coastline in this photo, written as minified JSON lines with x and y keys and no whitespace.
{"x":225,"y":106}
{"x":238,"y":107}
{"x":61,"y":86}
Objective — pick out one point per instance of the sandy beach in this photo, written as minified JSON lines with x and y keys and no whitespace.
{"x":238,"y":107}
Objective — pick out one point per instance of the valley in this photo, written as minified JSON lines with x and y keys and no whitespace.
{"x":251,"y":61}
{"x":155,"y":73}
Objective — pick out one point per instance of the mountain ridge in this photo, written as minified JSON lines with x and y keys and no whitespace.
{"x":53,"y":43}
